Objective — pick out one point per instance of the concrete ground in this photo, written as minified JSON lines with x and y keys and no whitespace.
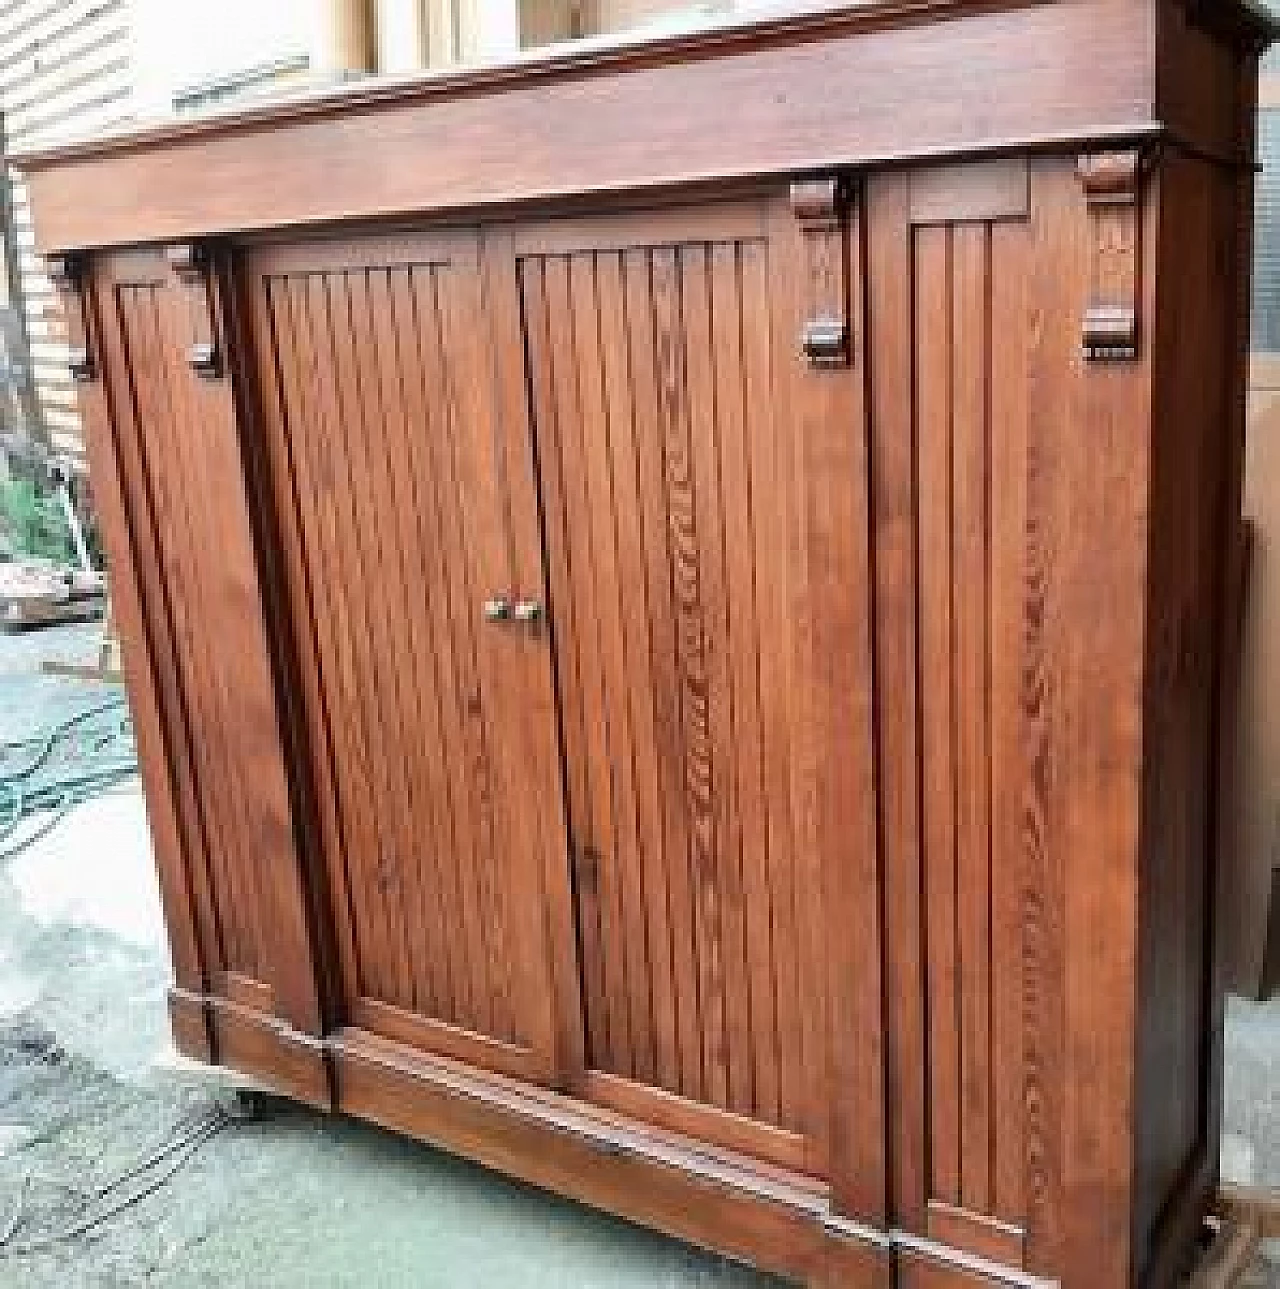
{"x":88,"y":1082}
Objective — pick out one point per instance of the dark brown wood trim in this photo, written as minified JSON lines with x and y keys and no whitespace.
{"x":819,"y":206}
{"x":1111,"y":329}
{"x":1179,"y":1225}
{"x":191,"y":264}
{"x":67,"y":273}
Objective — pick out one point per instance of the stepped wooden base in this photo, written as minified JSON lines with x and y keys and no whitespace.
{"x":769,"y":1217}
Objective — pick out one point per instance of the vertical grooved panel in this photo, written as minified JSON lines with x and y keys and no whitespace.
{"x":301,"y":313}
{"x":669,"y":455}
{"x":934,"y":366}
{"x":586,"y":465}
{"x":614,"y":512}
{"x":351,"y":548}
{"x":652,"y":397}
{"x":1008,"y":578}
{"x":182,"y":535}
{"x":311,"y":487}
{"x":695,"y":543}
{"x":739,"y":818}
{"x":384,"y":495}
{"x":543,"y":297}
{"x":670,"y":946}
{"x":452,"y":646}
{"x":970,"y":554}
{"x":970,"y":391}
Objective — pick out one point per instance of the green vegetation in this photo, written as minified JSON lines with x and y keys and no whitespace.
{"x":33,"y":522}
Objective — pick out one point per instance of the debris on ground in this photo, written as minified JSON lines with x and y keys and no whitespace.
{"x":40,"y":592}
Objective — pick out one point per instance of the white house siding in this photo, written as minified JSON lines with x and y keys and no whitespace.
{"x":64,"y":70}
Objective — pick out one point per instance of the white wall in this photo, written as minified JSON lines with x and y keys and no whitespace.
{"x":181,"y":43}
{"x":64,"y":70}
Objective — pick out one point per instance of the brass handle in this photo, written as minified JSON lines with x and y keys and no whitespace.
{"x":527,"y":611}
{"x":497,"y":609}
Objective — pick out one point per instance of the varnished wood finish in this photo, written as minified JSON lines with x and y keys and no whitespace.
{"x":727,"y":657}
{"x":773,"y":97}
{"x":175,"y":440}
{"x":380,"y":436}
{"x":667,"y":486}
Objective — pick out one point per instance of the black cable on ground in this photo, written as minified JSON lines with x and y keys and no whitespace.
{"x":182,"y":1143}
{"x":69,"y":764}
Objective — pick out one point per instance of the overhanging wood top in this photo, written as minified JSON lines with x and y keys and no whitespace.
{"x":853,"y":84}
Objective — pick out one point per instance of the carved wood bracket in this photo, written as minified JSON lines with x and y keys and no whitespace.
{"x":67,"y":273}
{"x":820,"y":205}
{"x":1112,"y":183}
{"x":191,"y":263}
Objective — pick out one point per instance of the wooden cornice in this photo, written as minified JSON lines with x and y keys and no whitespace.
{"x":587,"y":57}
{"x":847,"y":86}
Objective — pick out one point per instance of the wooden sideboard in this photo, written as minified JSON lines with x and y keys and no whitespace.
{"x":673,"y":595}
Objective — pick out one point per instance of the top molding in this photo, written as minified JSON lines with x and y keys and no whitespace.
{"x":851,"y":84}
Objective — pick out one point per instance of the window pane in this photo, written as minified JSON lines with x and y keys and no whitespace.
{"x":546,"y":21}
{"x":1266,"y":268}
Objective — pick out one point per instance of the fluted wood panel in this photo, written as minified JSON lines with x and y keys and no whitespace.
{"x":185,"y":494}
{"x":663,"y":507}
{"x":970,"y":427}
{"x":172,"y":464}
{"x":364,"y":363}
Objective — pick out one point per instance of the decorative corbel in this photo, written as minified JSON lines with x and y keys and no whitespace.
{"x":66,"y":272}
{"x":1112,"y":182}
{"x":820,"y":206}
{"x":191,"y":264}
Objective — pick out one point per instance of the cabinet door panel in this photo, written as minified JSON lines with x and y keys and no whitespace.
{"x":703,"y":499}
{"x":380,"y":422}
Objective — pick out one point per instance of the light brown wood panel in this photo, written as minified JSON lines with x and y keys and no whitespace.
{"x":379,"y":408}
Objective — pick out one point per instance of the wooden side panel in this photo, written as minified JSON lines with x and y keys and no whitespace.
{"x":1087,"y":482}
{"x":182,"y":469}
{"x":1195,"y":505}
{"x":380,"y":439}
{"x":176,"y":838}
{"x":1009,"y":490}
